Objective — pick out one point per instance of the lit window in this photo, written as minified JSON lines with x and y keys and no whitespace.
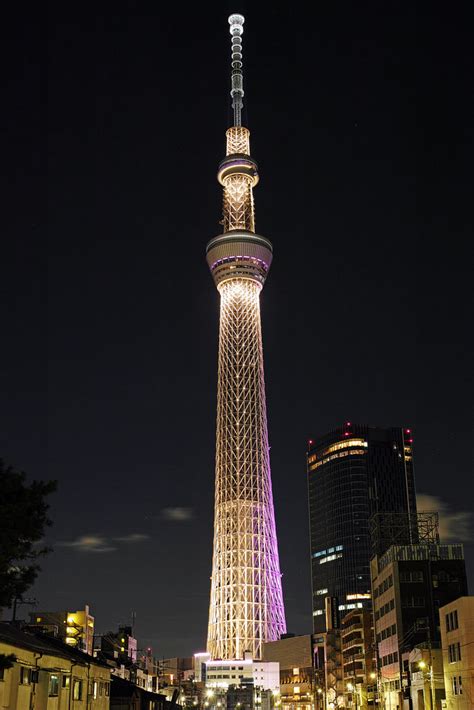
{"x":53,"y":685}
{"x":321,"y":591}
{"x":77,"y":690}
{"x":66,"y":681}
{"x":318,"y":612}
{"x":330,"y":558}
{"x":296,"y":671}
{"x":341,"y":454}
{"x":347,"y":443}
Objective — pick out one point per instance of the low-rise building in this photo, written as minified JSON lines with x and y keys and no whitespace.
{"x":125,"y":695}
{"x":425,"y":681}
{"x":222,"y":673}
{"x":358,"y":658}
{"x":76,"y":628}
{"x":295,"y":655}
{"x":457,"y":638}
{"x":120,"y":646}
{"x":47,"y":674}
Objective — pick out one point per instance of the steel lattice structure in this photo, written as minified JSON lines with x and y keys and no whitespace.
{"x":246,"y":605}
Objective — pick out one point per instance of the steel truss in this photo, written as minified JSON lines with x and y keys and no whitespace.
{"x":246,"y":606}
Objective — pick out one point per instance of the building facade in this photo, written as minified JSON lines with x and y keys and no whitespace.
{"x":355,"y":473}
{"x":425,"y":682}
{"x":457,"y":638}
{"x":246,"y":601}
{"x":221,"y":674}
{"x":119,"y":646}
{"x":76,"y":628}
{"x":298,"y":675}
{"x":359,"y":658}
{"x":410,"y":583}
{"x":47,"y":674}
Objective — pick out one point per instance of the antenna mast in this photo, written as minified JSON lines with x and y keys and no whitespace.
{"x":236,"y":23}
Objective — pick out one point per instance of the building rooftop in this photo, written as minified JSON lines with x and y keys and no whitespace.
{"x":413,"y":553}
{"x":41,"y":643}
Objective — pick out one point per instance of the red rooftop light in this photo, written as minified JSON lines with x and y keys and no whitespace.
{"x":348,"y":424}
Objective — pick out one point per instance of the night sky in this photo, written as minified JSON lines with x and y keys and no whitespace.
{"x":115,"y":117}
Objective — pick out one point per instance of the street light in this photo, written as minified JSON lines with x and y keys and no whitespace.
{"x":422,"y":665}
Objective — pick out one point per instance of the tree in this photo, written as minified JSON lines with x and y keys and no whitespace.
{"x":23,"y":520}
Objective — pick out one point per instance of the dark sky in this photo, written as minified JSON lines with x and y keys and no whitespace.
{"x":115,"y":121}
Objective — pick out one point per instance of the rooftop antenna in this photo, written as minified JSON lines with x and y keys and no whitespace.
{"x":236,"y":23}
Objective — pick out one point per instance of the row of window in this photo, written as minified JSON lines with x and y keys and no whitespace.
{"x":413,"y":602}
{"x":29,"y":676}
{"x":385,"y":609}
{"x":341,"y":454}
{"x":383,"y":586}
{"x":330,"y":550}
{"x":454,"y":652}
{"x":228,"y":668}
{"x":452,"y":620}
{"x":390,"y":658}
{"x":347,"y":443}
{"x":330,"y":558}
{"x":414,"y":575}
{"x":386,"y":633}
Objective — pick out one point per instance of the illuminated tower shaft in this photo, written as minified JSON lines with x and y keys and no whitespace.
{"x":246,"y":606}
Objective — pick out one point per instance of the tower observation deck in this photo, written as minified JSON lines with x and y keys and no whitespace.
{"x":246,"y":605}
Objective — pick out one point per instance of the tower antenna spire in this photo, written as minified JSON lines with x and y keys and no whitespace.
{"x":246,"y":605}
{"x":236,"y":23}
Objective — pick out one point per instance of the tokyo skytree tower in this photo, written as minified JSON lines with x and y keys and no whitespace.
{"x":246,"y":606}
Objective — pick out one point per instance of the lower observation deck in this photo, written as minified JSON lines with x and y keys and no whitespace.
{"x":239,"y":254}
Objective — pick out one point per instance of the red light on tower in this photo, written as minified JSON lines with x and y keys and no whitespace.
{"x":346,"y":433}
{"x":348,"y":424}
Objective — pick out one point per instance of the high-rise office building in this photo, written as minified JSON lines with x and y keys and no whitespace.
{"x":246,"y":604}
{"x":359,"y":479}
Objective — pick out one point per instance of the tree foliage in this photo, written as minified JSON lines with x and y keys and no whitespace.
{"x":23,"y":520}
